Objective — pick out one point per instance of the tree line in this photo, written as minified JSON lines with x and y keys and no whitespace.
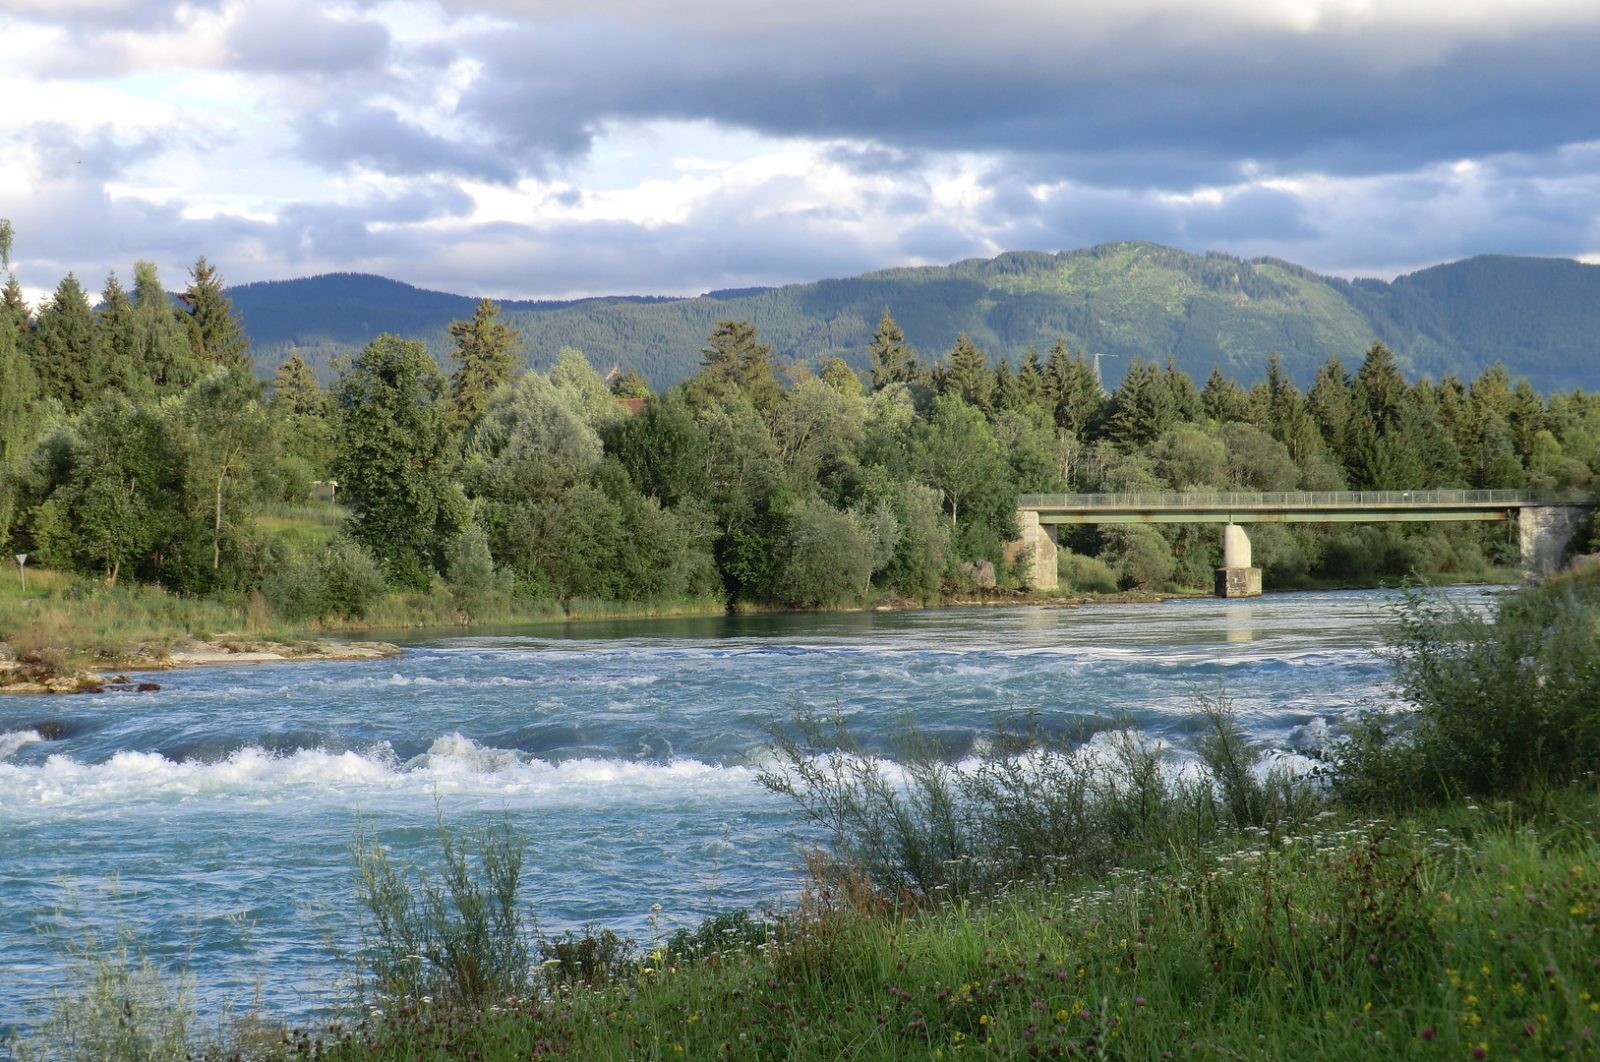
{"x":136,"y":441}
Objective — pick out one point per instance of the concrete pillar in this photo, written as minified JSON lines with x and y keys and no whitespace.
{"x":1040,"y":540}
{"x":1236,"y":578}
{"x":1546,"y":532}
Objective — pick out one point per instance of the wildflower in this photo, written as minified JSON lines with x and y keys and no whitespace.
{"x":1427,"y":1033}
{"x":1138,"y":1001}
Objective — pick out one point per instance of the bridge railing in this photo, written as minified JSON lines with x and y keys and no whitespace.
{"x":1320,"y":499}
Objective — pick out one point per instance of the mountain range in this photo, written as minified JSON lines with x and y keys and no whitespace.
{"x":1540,"y":317}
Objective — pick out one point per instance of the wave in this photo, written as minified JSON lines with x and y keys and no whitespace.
{"x":452,"y":764}
{"x":13,"y":740}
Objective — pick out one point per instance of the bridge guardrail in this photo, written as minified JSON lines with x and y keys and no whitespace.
{"x":1321,"y":499}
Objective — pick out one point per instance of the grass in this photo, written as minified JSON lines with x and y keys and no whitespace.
{"x":1463,"y":932}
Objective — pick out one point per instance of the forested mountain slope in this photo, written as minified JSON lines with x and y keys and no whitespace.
{"x":1541,"y":317}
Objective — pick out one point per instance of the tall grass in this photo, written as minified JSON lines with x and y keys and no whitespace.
{"x":1032,"y":807}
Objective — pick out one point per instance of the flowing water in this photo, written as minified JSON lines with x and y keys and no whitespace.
{"x":213,"y":821}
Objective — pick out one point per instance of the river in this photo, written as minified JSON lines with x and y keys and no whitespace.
{"x":213,"y":821}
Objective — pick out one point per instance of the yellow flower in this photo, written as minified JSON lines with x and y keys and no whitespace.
{"x":984,"y":1019}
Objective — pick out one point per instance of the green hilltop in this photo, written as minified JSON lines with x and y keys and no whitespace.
{"x":1540,"y":317}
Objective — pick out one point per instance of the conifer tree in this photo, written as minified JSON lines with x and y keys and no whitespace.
{"x":161,"y":342}
{"x":14,"y":306}
{"x":1185,"y":397}
{"x":215,"y":335}
{"x":486,"y":355}
{"x":1222,"y":399}
{"x":7,"y":234}
{"x":1031,"y":382}
{"x":65,"y":350}
{"x":295,"y":389}
{"x":892,"y":361}
{"x":1328,"y":401}
{"x":734,"y":357}
{"x":1080,"y":401}
{"x":1142,"y":407}
{"x":115,"y":325}
{"x":967,"y":374}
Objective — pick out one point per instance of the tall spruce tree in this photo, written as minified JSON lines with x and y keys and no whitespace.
{"x":891,"y":359}
{"x":486,"y":356}
{"x":295,"y":389}
{"x":1222,"y":399}
{"x":1328,"y":401}
{"x":1142,"y":407}
{"x":65,"y":350}
{"x":734,"y":358}
{"x":161,"y":342}
{"x":967,"y":374}
{"x":215,"y":335}
{"x":119,"y":346}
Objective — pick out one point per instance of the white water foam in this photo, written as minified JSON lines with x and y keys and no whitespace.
{"x":453,"y":764}
{"x":13,"y":740}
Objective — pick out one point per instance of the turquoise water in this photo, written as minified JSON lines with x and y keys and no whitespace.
{"x":213,"y":820}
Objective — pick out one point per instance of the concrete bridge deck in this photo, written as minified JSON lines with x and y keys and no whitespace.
{"x":1274,"y":507}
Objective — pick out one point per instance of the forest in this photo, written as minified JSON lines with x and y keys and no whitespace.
{"x":137,"y":443}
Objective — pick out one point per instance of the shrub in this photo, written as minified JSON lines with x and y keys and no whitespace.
{"x":351,"y":580}
{"x":1497,"y":705}
{"x":1090,"y":574}
{"x":456,"y":939}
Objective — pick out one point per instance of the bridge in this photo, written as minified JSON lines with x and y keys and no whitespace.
{"x":1545,"y":523}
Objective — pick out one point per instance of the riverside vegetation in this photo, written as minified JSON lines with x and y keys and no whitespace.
{"x":1433,"y":891}
{"x":136,"y":446}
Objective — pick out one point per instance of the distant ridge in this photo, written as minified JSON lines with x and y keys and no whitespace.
{"x":1539,"y":316}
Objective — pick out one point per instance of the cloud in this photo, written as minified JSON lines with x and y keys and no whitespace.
{"x":377,"y":137}
{"x":300,"y":38}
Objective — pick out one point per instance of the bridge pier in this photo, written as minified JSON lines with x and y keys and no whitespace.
{"x":1040,"y":540}
{"x":1545,"y":533}
{"x":1236,"y":577}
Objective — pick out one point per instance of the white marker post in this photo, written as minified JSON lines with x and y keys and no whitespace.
{"x":333,"y":492}
{"x":22,"y":570}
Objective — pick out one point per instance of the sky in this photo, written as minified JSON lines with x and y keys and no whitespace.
{"x":534,"y":149}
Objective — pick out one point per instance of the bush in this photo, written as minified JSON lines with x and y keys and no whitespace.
{"x":351,"y":580}
{"x":1089,"y":574}
{"x":292,"y":584}
{"x":1498,"y":705}
{"x":457,"y":939}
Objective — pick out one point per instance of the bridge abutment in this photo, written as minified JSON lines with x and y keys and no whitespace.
{"x":1236,"y":577}
{"x":1546,"y":533}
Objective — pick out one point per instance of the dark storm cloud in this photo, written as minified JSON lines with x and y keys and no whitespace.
{"x":1289,"y":102}
{"x":377,"y":137}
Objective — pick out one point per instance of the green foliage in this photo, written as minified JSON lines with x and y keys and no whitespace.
{"x":66,"y":353}
{"x":351,"y":580}
{"x":486,"y":353}
{"x":392,"y":458}
{"x":1035,"y":806}
{"x":216,"y":337}
{"x":1497,"y":704}
{"x":458,"y":938}
{"x":162,"y":353}
{"x":1090,"y":574}
{"x":891,"y":360}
